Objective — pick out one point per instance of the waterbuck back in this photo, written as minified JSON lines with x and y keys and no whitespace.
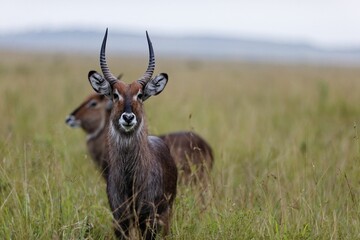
{"x":193,"y":156}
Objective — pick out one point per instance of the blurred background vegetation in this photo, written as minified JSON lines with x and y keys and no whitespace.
{"x":285,"y":138}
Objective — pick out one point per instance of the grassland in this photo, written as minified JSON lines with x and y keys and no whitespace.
{"x":285,"y":138}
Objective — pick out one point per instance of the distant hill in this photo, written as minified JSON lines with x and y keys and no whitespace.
{"x":190,"y":47}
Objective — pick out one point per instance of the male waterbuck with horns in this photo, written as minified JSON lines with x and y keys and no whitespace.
{"x":141,"y":183}
{"x":191,"y":153}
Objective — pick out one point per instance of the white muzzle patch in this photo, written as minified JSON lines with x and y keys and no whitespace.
{"x":127,"y":121}
{"x":72,"y":121}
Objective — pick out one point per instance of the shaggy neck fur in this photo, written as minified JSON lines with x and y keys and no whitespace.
{"x":129,"y":158}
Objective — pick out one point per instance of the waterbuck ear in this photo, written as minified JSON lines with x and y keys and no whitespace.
{"x":155,"y":86}
{"x":99,"y":84}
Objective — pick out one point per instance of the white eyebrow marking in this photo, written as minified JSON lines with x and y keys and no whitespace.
{"x":135,"y":97}
{"x":117,"y":92}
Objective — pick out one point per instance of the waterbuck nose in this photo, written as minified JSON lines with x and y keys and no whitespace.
{"x":72,"y":122}
{"x":128,"y":117}
{"x":69,"y":119}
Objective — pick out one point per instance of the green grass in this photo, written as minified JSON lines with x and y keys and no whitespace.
{"x":285,"y":138}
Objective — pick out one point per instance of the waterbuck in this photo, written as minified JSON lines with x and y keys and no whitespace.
{"x":142,"y":176}
{"x":93,"y":117}
{"x":192,"y":154}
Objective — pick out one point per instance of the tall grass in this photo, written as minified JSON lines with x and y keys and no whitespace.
{"x":285,"y":137}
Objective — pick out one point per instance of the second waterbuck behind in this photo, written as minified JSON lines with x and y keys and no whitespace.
{"x":142,"y":176}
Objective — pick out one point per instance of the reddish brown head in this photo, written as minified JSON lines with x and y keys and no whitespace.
{"x":127,"y":112}
{"x":90,"y":114}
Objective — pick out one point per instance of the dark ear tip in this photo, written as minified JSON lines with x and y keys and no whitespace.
{"x":91,"y":73}
{"x":165,"y":75}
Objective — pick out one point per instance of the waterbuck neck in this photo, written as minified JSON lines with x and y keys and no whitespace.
{"x":129,"y":161}
{"x":98,"y":131}
{"x":129,"y":150}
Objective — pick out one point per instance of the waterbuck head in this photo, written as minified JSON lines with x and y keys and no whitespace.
{"x":90,"y":114}
{"x":127,"y":112}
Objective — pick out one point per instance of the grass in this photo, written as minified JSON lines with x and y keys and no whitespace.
{"x":285,"y":138}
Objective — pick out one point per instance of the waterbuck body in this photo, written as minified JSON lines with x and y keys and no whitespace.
{"x":142,"y":175}
{"x":192,"y":154}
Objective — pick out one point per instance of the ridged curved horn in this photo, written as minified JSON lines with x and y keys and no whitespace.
{"x":104,"y":67}
{"x":150,"y":70}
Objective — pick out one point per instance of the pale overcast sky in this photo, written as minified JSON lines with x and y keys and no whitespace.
{"x":330,"y":23}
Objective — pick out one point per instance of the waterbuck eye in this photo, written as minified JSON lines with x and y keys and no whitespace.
{"x":116,"y":97}
{"x":92,"y":104}
{"x":140,"y":95}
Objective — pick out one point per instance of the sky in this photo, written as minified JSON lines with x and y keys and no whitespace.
{"x":324,"y":23}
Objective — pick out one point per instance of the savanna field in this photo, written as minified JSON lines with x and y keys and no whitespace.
{"x":286,"y":140}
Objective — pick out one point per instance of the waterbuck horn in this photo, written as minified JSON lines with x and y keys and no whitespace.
{"x":104,"y":67}
{"x":150,"y":70}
